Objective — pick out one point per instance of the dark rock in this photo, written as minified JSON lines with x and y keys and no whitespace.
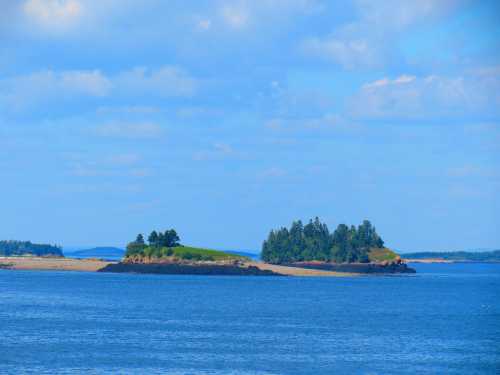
{"x":369,"y":268}
{"x":187,"y":269}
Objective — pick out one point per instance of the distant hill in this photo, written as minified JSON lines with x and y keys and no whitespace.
{"x":252,"y":256}
{"x":18,"y":248}
{"x":457,"y":256}
{"x":97,"y":252}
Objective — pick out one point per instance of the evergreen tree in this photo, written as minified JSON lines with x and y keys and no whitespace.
{"x":153,"y":239}
{"x":140,"y":239}
{"x":170,"y":238}
{"x":313,"y":241}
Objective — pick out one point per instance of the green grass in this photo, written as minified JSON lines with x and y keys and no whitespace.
{"x":186,"y":251}
{"x":383,"y":254}
{"x":189,"y":253}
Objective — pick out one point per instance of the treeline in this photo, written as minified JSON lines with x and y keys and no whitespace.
{"x":156,"y":241}
{"x":465,"y":256}
{"x":314,"y":242}
{"x":12,"y":248}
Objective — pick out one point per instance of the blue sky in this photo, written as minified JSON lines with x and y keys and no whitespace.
{"x":224,"y":119}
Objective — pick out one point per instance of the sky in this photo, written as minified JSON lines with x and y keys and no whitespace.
{"x":224,"y":119}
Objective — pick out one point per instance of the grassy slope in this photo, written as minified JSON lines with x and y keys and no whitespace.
{"x":188,"y":252}
{"x":380,"y":255}
{"x":215,"y":254}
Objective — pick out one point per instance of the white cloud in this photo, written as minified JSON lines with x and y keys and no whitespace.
{"x":368,"y":40}
{"x":346,"y":52}
{"x":122,"y":159}
{"x":412,"y":97}
{"x":116,"y":165}
{"x":397,"y":14}
{"x":54,"y":14}
{"x":245,"y":13}
{"x":273,"y":172}
{"x":127,"y":130}
{"x":235,"y":16}
{"x":166,"y":81}
{"x":87,"y":82}
{"x":386,"y":82}
{"x":17,"y":92}
{"x":204,"y":24}
{"x":326,"y":123}
{"x":474,"y":171}
{"x":39,"y":87}
{"x":219,"y":150}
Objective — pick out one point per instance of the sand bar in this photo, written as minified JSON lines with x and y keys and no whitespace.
{"x":52,"y":264}
{"x":295,"y":271}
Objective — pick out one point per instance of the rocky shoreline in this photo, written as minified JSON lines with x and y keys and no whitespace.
{"x":188,"y":269}
{"x":361,"y":268}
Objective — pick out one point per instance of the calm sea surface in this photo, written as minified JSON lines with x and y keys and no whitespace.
{"x":444,"y":320}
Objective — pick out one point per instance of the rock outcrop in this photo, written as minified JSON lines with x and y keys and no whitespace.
{"x":368,"y":268}
{"x":188,"y":269}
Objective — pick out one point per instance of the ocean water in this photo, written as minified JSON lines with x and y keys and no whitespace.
{"x":444,"y":320}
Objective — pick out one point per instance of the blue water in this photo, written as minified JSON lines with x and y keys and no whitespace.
{"x":444,"y":320}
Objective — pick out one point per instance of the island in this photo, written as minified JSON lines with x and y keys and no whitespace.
{"x":27,"y":248}
{"x":25,"y":255}
{"x":103,"y":252}
{"x":348,"y":249}
{"x":453,"y":257}
{"x":301,"y":250}
{"x":164,"y":254}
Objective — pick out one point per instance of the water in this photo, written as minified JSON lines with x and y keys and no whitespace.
{"x":444,"y":320}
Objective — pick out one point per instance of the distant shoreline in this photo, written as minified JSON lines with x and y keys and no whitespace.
{"x":429,"y":260}
{"x":448,"y":261}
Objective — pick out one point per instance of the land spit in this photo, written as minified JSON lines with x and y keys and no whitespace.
{"x":94,"y":265}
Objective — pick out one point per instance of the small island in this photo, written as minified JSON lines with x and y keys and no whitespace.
{"x":164,"y":254}
{"x":348,"y":249}
{"x":453,"y":257}
{"x":27,"y":248}
{"x":25,"y":255}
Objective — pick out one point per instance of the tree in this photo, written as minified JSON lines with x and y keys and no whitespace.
{"x":153,"y":239}
{"x":140,"y":239}
{"x":170,"y":238}
{"x":134,"y":248}
{"x":314,"y":242}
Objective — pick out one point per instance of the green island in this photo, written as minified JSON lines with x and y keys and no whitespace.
{"x":166,"y":246}
{"x":455,"y":256}
{"x":314,"y":242}
{"x":164,"y":254}
{"x":27,"y":248}
{"x":347,"y":248}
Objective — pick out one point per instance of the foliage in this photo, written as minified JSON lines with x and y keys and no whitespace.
{"x":183,"y":252}
{"x":166,"y":244}
{"x":156,"y":241}
{"x":9,"y":248}
{"x":313,"y":242}
{"x":169,"y":238}
{"x":134,"y":248}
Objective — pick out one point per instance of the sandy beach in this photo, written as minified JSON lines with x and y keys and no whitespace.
{"x":295,"y":271}
{"x":52,"y":264}
{"x":93,"y":265}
